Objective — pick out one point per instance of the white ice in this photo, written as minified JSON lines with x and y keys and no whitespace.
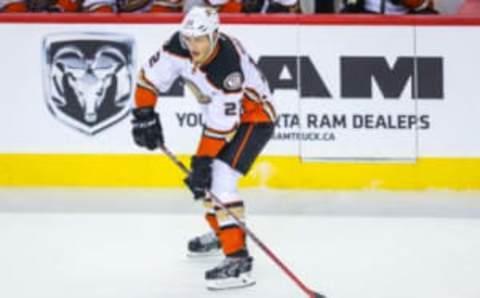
{"x":130,"y":243}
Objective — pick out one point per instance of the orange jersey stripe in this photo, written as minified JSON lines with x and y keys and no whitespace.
{"x":145,"y":97}
{"x":210,"y":146}
{"x":213,"y":222}
{"x":254,"y":111}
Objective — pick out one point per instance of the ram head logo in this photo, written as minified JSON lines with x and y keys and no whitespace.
{"x":88,"y":79}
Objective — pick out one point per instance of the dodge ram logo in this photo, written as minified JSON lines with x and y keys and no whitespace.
{"x":88,"y":79}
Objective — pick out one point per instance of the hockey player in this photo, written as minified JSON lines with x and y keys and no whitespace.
{"x":235,"y":102}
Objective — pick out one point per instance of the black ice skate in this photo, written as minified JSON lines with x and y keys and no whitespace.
{"x":233,"y":272}
{"x":206,"y":245}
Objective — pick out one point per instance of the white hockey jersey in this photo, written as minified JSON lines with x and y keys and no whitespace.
{"x":228,"y":86}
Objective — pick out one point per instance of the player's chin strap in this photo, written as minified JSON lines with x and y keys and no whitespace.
{"x":310,"y":293}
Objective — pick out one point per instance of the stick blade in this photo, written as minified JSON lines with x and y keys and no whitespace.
{"x":317,"y":295}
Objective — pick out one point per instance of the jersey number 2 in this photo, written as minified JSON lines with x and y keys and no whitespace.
{"x":230,"y":109}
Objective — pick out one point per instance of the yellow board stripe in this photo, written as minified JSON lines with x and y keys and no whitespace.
{"x":151,"y":170}
{"x":88,"y":170}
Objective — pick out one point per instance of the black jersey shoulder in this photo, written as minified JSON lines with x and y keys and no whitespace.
{"x":225,"y":71}
{"x":174,"y":46}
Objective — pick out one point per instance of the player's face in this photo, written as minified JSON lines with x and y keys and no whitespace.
{"x":199,"y":47}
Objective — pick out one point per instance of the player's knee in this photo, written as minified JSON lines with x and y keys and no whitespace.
{"x":224,"y":181}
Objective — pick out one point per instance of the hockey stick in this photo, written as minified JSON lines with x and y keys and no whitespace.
{"x":310,"y":293}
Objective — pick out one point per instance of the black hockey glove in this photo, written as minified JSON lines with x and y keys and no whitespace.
{"x":200,"y":177}
{"x":147,"y":130}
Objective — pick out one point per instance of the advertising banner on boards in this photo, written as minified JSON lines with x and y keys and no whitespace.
{"x":378,"y":93}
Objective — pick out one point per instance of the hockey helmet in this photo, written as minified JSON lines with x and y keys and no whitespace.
{"x":201,"y":21}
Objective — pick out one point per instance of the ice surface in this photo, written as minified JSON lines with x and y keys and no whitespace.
{"x":130,"y":243}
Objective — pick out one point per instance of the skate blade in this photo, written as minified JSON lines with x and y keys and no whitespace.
{"x":243,"y":281}
{"x":201,"y":255}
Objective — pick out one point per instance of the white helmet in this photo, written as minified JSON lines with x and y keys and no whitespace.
{"x":201,"y":21}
